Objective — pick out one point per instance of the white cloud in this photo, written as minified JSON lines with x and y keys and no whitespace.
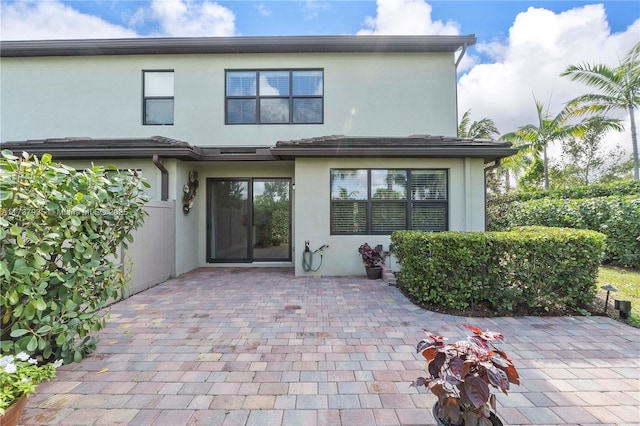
{"x":262,"y":9}
{"x":38,"y":20}
{"x":138,"y":18}
{"x":187,"y":18}
{"x":406,"y":17}
{"x":540,"y":46}
{"x":313,"y":8}
{"x":41,"y":20}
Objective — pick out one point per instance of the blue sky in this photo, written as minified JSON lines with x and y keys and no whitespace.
{"x":486,"y":19}
{"x":522,"y":46}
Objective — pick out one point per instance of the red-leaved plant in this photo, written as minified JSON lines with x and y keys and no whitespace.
{"x":371,"y":257}
{"x":461,"y":373}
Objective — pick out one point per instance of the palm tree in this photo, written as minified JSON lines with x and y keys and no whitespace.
{"x":618,"y":89}
{"x":483,"y":129}
{"x":516,"y":163}
{"x":549,"y":129}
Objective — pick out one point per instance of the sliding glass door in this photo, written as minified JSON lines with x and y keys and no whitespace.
{"x":249,"y":220}
{"x":229,"y":210}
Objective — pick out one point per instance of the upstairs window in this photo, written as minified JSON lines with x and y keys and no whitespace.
{"x":380,"y":201}
{"x":274,"y":97}
{"x":158,"y":97}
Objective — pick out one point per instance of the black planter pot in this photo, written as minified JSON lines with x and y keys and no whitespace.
{"x":373,"y":272}
{"x":492,"y":418}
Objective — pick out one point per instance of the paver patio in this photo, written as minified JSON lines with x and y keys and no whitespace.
{"x":232,"y":346}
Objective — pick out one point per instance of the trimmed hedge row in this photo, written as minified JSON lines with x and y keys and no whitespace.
{"x":527,"y":270}
{"x":590,"y":191}
{"x":618,"y":217}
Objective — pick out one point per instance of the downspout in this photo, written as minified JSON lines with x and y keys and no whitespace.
{"x":464,"y":50}
{"x":495,"y":166}
{"x":164,"y":186}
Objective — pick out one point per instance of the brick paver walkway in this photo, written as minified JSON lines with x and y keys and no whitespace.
{"x":262,"y":347}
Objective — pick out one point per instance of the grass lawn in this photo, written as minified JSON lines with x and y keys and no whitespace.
{"x":627,"y":281}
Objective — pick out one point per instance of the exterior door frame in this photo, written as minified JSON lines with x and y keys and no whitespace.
{"x":250,"y":210}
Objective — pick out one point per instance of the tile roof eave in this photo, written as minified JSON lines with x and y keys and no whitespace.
{"x":89,"y":148}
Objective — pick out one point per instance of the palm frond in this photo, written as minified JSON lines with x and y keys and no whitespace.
{"x":599,"y":76}
{"x":483,"y":129}
{"x":464,"y":124}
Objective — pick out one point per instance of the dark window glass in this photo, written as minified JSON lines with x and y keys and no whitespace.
{"x":158,"y":111}
{"x":307,"y":83}
{"x":429,"y":217}
{"x":389,"y":184}
{"x":307,"y":110}
{"x":348,"y":217}
{"x":274,"y":110}
{"x":387,"y":217}
{"x":376,"y":201}
{"x":275,"y":97}
{"x":158,"y":97}
{"x":274,"y":83}
{"x":429,"y":185}
{"x":241,"y":83}
{"x":241,"y":111}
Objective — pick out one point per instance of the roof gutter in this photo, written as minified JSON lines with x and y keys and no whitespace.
{"x":488,"y":154}
{"x":164,"y":191}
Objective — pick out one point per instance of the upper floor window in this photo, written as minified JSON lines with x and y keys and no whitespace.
{"x":274,"y":97}
{"x":380,"y":201}
{"x":158,"y":97}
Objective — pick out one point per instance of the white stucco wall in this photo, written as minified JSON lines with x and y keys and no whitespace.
{"x":312,"y":206}
{"x":101,"y":96}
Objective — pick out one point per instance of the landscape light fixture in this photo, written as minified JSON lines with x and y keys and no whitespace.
{"x":609,"y":289}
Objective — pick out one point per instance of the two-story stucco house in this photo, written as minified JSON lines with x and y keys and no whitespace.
{"x":325,"y":139}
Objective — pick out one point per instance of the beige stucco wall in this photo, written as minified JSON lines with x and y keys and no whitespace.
{"x":312,"y":198}
{"x":364,"y":95}
{"x":101,"y":96}
{"x":188,"y":226}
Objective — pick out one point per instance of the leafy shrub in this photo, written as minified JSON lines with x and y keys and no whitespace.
{"x":579,"y":192}
{"x":618,"y":217}
{"x":60,"y":233}
{"x":527,"y":270}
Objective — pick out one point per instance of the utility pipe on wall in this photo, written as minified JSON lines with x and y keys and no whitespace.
{"x":164,"y":183}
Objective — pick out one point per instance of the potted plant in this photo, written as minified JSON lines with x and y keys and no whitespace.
{"x":19,"y":377}
{"x":373,"y":258}
{"x":462,"y":374}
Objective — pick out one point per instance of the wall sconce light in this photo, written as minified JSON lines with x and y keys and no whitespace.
{"x":189,"y":190}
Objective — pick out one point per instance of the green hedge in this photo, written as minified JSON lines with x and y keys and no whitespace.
{"x":618,"y":217}
{"x":590,"y":191}
{"x":527,"y":270}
